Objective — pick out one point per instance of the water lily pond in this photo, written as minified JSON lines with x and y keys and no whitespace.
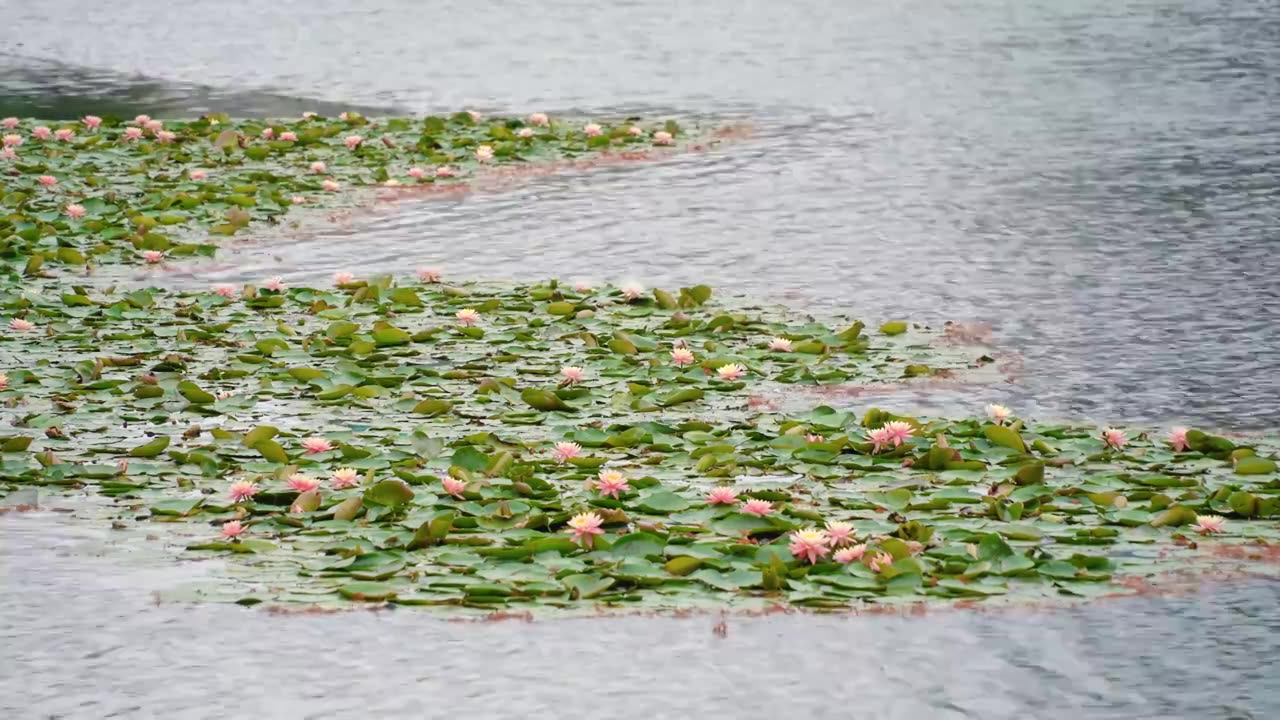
{"x":558,"y":446}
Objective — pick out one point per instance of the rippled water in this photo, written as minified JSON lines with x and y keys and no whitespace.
{"x":1098,"y":180}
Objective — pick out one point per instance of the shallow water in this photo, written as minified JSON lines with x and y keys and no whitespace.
{"x":1096,"y":180}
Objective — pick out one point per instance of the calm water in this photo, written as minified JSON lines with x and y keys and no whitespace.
{"x":1097,"y":180}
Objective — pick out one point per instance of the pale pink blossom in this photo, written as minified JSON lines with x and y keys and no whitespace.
{"x":722,"y":495}
{"x":42,"y":133}
{"x":839,"y":533}
{"x":881,"y":561}
{"x":316,"y":444}
{"x":582,"y":286}
{"x":123,"y":465}
{"x":142,"y":119}
{"x":47,"y":180}
{"x":632,"y":291}
{"x":879,"y":437}
{"x":1115,"y":438}
{"x":444,"y":171}
{"x":225,"y":290}
{"x":352,"y":141}
{"x":662,"y":137}
{"x":345,"y":478}
{"x":197,"y":175}
{"x":730,"y":372}
{"x":1178,"y":439}
{"x":274,"y":284}
{"x":302,"y":483}
{"x":998,"y":413}
{"x":165,"y":136}
{"x":808,"y":544}
{"x":342,"y":277}
{"x":757,"y":507}
{"x":681,"y":357}
{"x":1209,"y":524}
{"x":318,"y":167}
{"x":153,"y":256}
{"x":91,"y":121}
{"x":484,"y":153}
{"x":132,"y":133}
{"x":242,"y":490}
{"x":308,"y":115}
{"x":585,"y":526}
{"x":572,"y":374}
{"x":330,"y":185}
{"x":268,"y":134}
{"x":850,"y":554}
{"x":4,"y":381}
{"x":9,"y":123}
{"x":12,"y":141}
{"x":155,"y":126}
{"x":75,"y":211}
{"x":224,"y":394}
{"x":592,"y":129}
{"x":525,"y":132}
{"x":467,"y":317}
{"x":814,"y":438}
{"x":534,"y":119}
{"x":233,"y":529}
{"x":21,"y":325}
{"x":8,"y":153}
{"x":898,"y":431}
{"x":475,"y":116}
{"x":635,"y":131}
{"x":344,"y":116}
{"x":611,"y":483}
{"x":64,"y":134}
{"x":565,"y":451}
{"x":429,"y":275}
{"x":416,"y":172}
{"x":453,"y":487}
{"x":289,"y":136}
{"x":780,"y":345}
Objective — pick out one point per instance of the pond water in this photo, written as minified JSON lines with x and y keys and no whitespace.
{"x":1096,"y":180}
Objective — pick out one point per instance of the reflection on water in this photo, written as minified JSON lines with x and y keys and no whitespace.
{"x":1098,"y":180}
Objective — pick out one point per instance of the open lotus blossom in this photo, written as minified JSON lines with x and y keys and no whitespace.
{"x":1115,"y":438}
{"x":484,"y":153}
{"x":524,"y":132}
{"x":635,"y":131}
{"x":75,"y":211}
{"x":165,"y":136}
{"x":444,"y":171}
{"x":9,"y":123}
{"x":133,"y":133}
{"x":352,"y":141}
{"x":1178,"y":439}
{"x":47,"y":180}
{"x":722,"y":495}
{"x":64,"y":134}
{"x":632,"y":291}
{"x":268,"y":134}
{"x":225,"y":290}
{"x":591,"y":129}
{"x":417,"y":172}
{"x":780,"y":345}
{"x":308,"y":115}
{"x":242,"y":490}
{"x":582,"y":286}
{"x":289,"y":136}
{"x":662,"y":137}
{"x":318,"y":167}
{"x":681,"y":357}
{"x":142,"y":119}
{"x":197,"y":174}
{"x":8,"y":153}
{"x":730,"y":372}
{"x":342,"y":277}
{"x":316,"y":444}
{"x":233,"y":529}
{"x":808,"y":544}
{"x":881,"y":561}
{"x":345,"y":478}
{"x":297,"y":199}
{"x":879,"y":438}
{"x":330,"y":185}
{"x":12,"y":140}
{"x":453,"y":486}
{"x":611,"y":483}
{"x":898,"y":431}
{"x":42,"y":133}
{"x":155,"y":126}
{"x":585,"y":526}
{"x":429,"y":275}
{"x":850,"y":554}
{"x":534,"y":119}
{"x":91,"y":121}
{"x":572,"y":374}
{"x":467,"y":316}
{"x":344,"y":116}
{"x":153,"y":256}
{"x":998,"y":413}
{"x":1209,"y":524}
{"x":814,"y":438}
{"x":565,"y":451}
{"x":4,"y":381}
{"x":302,"y":483}
{"x":839,"y":533}
{"x":757,"y":507}
{"x":21,"y":325}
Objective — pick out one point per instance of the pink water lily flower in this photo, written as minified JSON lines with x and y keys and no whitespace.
{"x":453,"y":486}
{"x":9,"y":123}
{"x":681,"y":357}
{"x":12,"y":141}
{"x":757,"y":507}
{"x":342,"y":277}
{"x":64,"y":134}
{"x":344,"y":116}
{"x":879,"y":437}
{"x":233,"y":529}
{"x":632,"y":291}
{"x":225,"y":290}
{"x":898,"y":431}
{"x":591,"y":129}
{"x":133,"y":133}
{"x":316,"y":444}
{"x":268,"y":134}
{"x":662,"y":137}
{"x":534,"y":119}
{"x":1115,"y":438}
{"x":165,"y":136}
{"x":582,"y":286}
{"x":998,"y":413}
{"x":444,"y":171}
{"x":345,"y":478}
{"x":1178,"y":439}
{"x":722,"y":495}
{"x":1209,"y":524}
{"x":4,"y":381}
{"x":808,"y":544}
{"x":47,"y":180}
{"x":850,"y":554}
{"x":242,"y":490}
{"x":42,"y":133}
{"x":585,"y":526}
{"x":484,"y":153}
{"x":730,"y":372}
{"x":155,"y":126}
{"x":572,"y":374}
{"x":814,"y":438}
{"x":197,"y":175}
{"x":475,"y":116}
{"x":429,"y":275}
{"x":525,"y":132}
{"x":611,"y":483}
{"x":881,"y":561}
{"x":330,"y":185}
{"x":416,"y":172}
{"x":467,"y":317}
{"x":21,"y":325}
{"x":289,"y":136}
{"x":142,"y":119}
{"x":635,"y":131}
{"x":302,"y":483}
{"x":838,"y":533}
{"x":75,"y":211}
{"x":352,"y":141}
{"x":308,"y":115}
{"x":8,"y":153}
{"x":153,"y":256}
{"x":780,"y":345}
{"x":318,"y":167}
{"x":565,"y":451}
